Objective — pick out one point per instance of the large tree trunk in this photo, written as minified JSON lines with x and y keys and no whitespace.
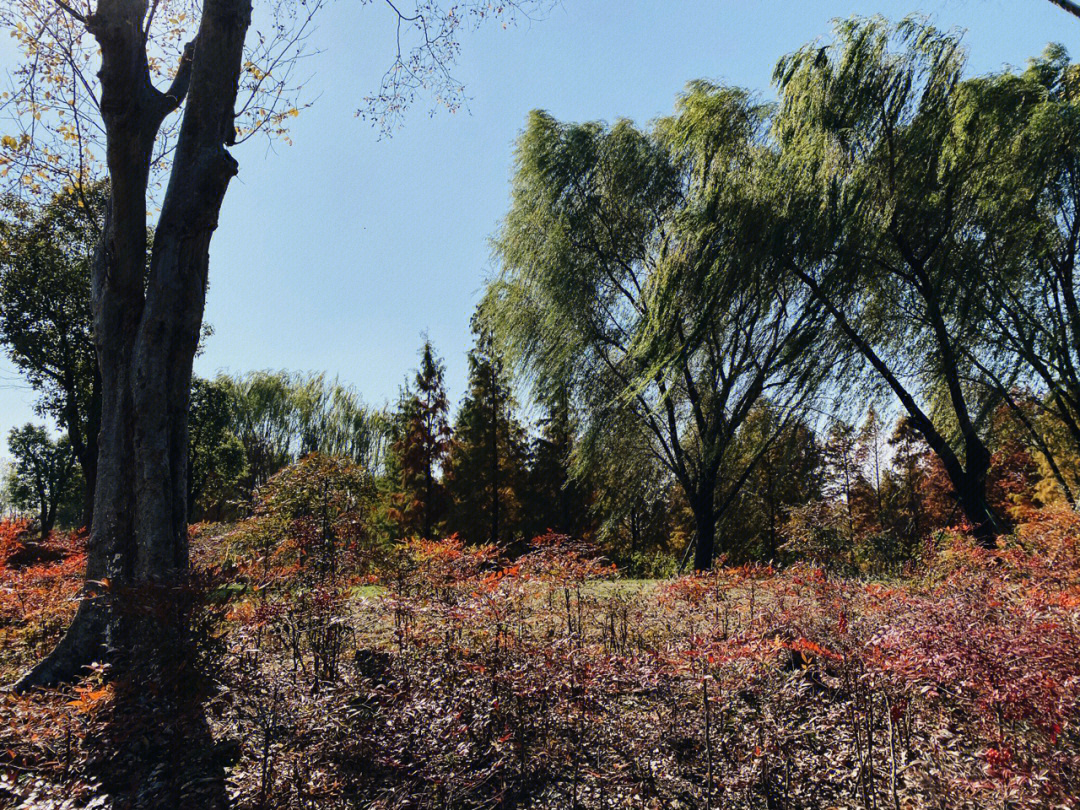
{"x":970,"y":486}
{"x":704,"y":509}
{"x":146,"y":341}
{"x":146,"y":329}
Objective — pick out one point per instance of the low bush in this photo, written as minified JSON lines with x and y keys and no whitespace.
{"x":462,"y":679}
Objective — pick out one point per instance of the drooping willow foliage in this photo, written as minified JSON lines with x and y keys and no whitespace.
{"x":888,"y":226}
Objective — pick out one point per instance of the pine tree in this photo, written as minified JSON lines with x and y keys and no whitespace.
{"x":785,"y":472}
{"x":487,"y":462}
{"x":420,"y":450}
{"x":842,"y":474}
{"x":557,"y":501}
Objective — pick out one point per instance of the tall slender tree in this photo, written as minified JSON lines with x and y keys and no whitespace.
{"x":487,"y":461}
{"x":557,"y":500}
{"x":421,"y":450}
{"x":787,"y":475}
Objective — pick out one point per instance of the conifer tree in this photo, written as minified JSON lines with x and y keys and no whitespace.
{"x":786,"y":474}
{"x":487,"y":460}
{"x":557,"y":500}
{"x":420,"y":450}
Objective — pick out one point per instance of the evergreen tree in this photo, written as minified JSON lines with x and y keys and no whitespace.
{"x":917,"y":507}
{"x":785,"y":465}
{"x":420,"y":449}
{"x":487,"y":461}
{"x":843,"y":478}
{"x":870,"y":456}
{"x":557,"y":501}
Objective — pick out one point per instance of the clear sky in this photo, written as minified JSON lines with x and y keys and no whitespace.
{"x":337,"y":253}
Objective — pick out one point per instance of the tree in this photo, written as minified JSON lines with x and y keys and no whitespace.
{"x":556,"y":499}
{"x":421,"y":450}
{"x":216,"y":456}
{"x":262,"y":421}
{"x":315,"y":507}
{"x":787,"y":475}
{"x":45,"y":314}
{"x":882,"y":165}
{"x":42,"y":473}
{"x":280,"y":416}
{"x":632,"y":273}
{"x":842,"y":476}
{"x":486,"y":466}
{"x":146,"y":321}
{"x":1028,"y":304}
{"x":918,"y":505}
{"x":88,"y":87}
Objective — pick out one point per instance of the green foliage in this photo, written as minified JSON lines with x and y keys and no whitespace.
{"x":486,"y":468}
{"x":279,"y":417}
{"x":46,"y":324}
{"x":650,"y":565}
{"x":216,"y":460}
{"x":634,"y":274}
{"x":42,"y":476}
{"x":905,"y":209}
{"x":555,"y":500}
{"x":312,"y":512}
{"x":418,"y":454}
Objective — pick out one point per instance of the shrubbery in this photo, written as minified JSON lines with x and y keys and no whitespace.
{"x":455,"y":677}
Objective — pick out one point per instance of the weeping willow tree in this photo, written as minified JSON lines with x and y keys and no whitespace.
{"x":885,"y":159}
{"x":1028,"y":307}
{"x":633,"y":274}
{"x":281,"y":416}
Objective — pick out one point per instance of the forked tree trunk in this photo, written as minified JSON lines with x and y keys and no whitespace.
{"x":156,"y":748}
{"x":146,"y":330}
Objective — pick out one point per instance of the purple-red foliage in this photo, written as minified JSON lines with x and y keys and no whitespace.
{"x":467,"y":680}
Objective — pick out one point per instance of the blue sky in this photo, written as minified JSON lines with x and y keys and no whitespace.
{"x":337,"y":253}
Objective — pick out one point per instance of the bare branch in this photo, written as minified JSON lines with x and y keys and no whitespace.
{"x":80,"y":17}
{"x":174,"y":96}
